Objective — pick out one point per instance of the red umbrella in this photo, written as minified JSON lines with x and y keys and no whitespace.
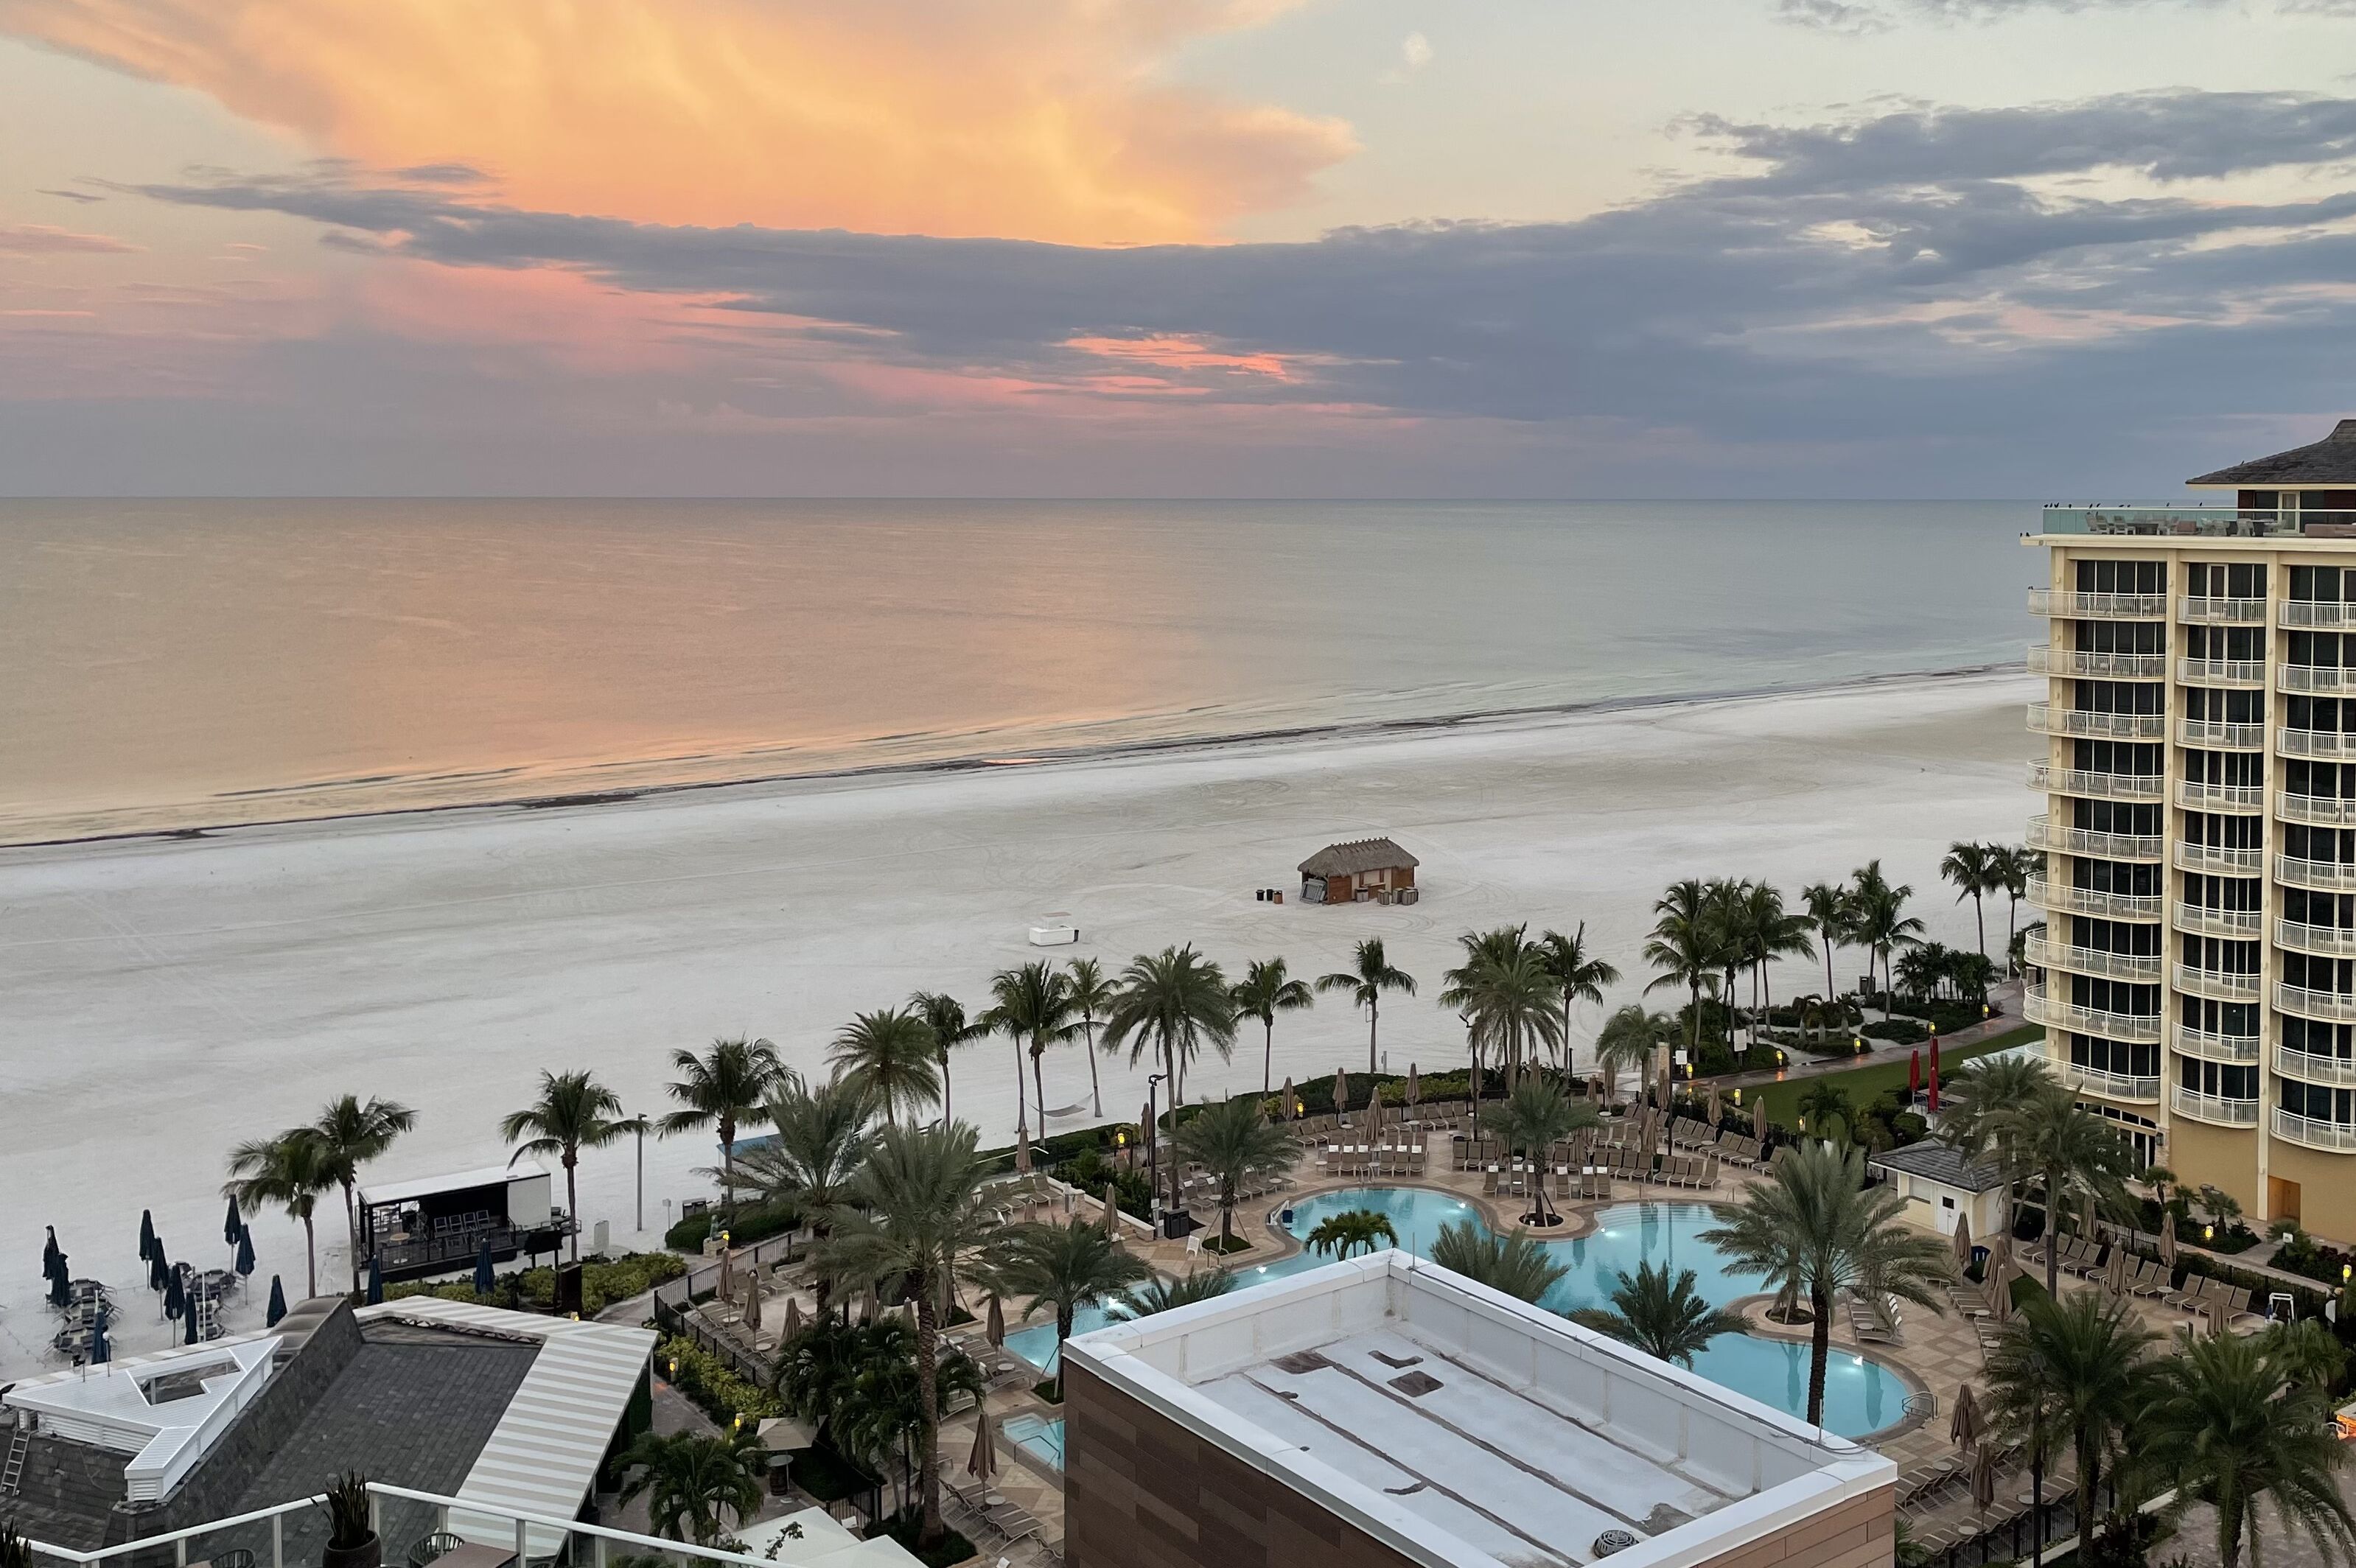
{"x":1914,"y":1074}
{"x":1935,"y":1079}
{"x":1934,"y":1058}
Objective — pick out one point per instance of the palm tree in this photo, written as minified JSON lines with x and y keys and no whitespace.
{"x":1629,"y":1038}
{"x":1685,"y":947}
{"x":822,"y":1137}
{"x":1339,"y":1235}
{"x":2018,"y":864}
{"x":1882,"y":924}
{"x":2233,"y":1425}
{"x":691,"y":1480}
{"x":1766,"y":931}
{"x":1171,"y":1003}
{"x":1370,"y":975}
{"x":1533,"y":1119}
{"x":1264,"y":991}
{"x":352,"y":1132}
{"x":1158,"y":1294}
{"x":1829,"y":908}
{"x":1975,"y":869}
{"x":1235,"y":1141}
{"x":891,"y":1055}
{"x":1505,"y":993}
{"x":1580,"y":975}
{"x":573,"y":1112}
{"x":1825,"y":1103}
{"x":1515,"y":1266}
{"x":1091,"y":998}
{"x":720,"y":1089}
{"x":945,"y":1015}
{"x":1978,"y":1101}
{"x":1667,"y":1319}
{"x":1032,"y":1007}
{"x":1070,"y":1266}
{"x":2072,"y":1155}
{"x":915,"y":1216}
{"x":2071,"y":1371}
{"x":1728,"y":905}
{"x":1814,"y":1227}
{"x":289,"y":1170}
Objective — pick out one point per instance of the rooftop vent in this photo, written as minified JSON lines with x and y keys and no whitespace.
{"x":1414,"y":1385}
{"x":1611,"y":1541}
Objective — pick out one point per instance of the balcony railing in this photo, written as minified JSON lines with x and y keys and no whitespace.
{"x":2047,"y":720}
{"x":2330,"y":1006}
{"x":2324,"y":941}
{"x":2316,"y":810}
{"x":2131,"y":1028}
{"x":2221,"y":672}
{"x":2220,"y":732}
{"x":2096,"y":786}
{"x":2320,"y":677}
{"x":2109,"y":1085}
{"x":2093,"y":664}
{"x":2142,"y":967}
{"x":2211,"y":1046}
{"x":2211,"y":610}
{"x":2339,"y":1137}
{"x":2214,"y":1108}
{"x":2061,"y":896}
{"x":2098,"y":606}
{"x":2194,"y":796}
{"x":2203,"y":921}
{"x":2196,"y":522}
{"x":2317,"y":875}
{"x":2043,"y":835}
{"x":2220,"y":861}
{"x":2218,"y":985}
{"x":2306,"y":1066}
{"x":2315,"y":743}
{"x":2316,"y":613}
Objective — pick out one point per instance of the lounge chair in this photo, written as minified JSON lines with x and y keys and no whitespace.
{"x":2196,"y":1287}
{"x":2158,"y":1287}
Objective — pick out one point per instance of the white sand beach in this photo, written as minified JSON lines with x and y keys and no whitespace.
{"x":161,"y":999}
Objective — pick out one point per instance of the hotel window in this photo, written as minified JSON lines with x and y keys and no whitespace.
{"x":2322,"y":585}
{"x":2243,"y":770}
{"x":2133,"y":939}
{"x":2123,"y":877}
{"x":2323,"y":650}
{"x":2226,"y":706}
{"x":2316,"y":1103}
{"x":2219,"y":830}
{"x":2245,"y":644}
{"x":2123,"y":1058}
{"x":2237,"y":1020}
{"x":2226,"y":895}
{"x":2115,"y":996}
{"x":2120,"y":636}
{"x":2220,"y":955}
{"x":2122,"y":576}
{"x":2219,"y":580}
{"x":2311,"y":1036}
{"x":2332,"y":911}
{"x":2116,"y":816}
{"x":2327,"y":713}
{"x":2325,"y":781}
{"x":2219,"y":1080}
{"x":2332,"y":845}
{"x":2141,"y":758}
{"x":2125,"y":696}
{"x":2334,"y":977}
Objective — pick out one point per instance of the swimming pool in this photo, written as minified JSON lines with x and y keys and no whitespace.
{"x":1861,"y":1395}
{"x":1043,"y":1439}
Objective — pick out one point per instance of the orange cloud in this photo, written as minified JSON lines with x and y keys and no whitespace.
{"x":1181,"y":354}
{"x":1037,"y":119}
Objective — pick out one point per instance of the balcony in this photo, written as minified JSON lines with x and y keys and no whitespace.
{"x":2201,"y":920}
{"x":2336,"y":1138}
{"x":2098,"y":606}
{"x":2315,"y":743}
{"x":2109,"y":1085}
{"x":2096,"y":786}
{"x":2219,"y":732}
{"x":2307,"y":1067}
{"x":2066,"y":900}
{"x":2210,"y":1046}
{"x":2219,"y":862}
{"x":2218,"y":984}
{"x":2316,"y":810}
{"x":2043,"y":835}
{"x":2090,"y":664}
{"x":2315,"y":876}
{"x":2194,"y":796}
{"x":2325,"y":678}
{"x":2047,"y":720}
{"x":2142,"y":968}
{"x":2221,"y":672}
{"x":2185,"y":522}
{"x":2318,"y":613}
{"x":2211,"y":611}
{"x":2214,"y":1108}
{"x":2327,"y":1007}
{"x":2132,"y":1029}
{"x":2323,"y":940}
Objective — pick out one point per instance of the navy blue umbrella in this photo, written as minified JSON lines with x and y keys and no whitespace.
{"x":277,"y":1304}
{"x":232,"y":1227}
{"x":159,"y":1268}
{"x":244,"y":1251}
{"x":375,"y":1281}
{"x":98,"y":1346}
{"x":146,"y":1234}
{"x":175,"y":1296}
{"x":484,"y":1281}
{"x":49,"y":1256}
{"x":60,"y":1291}
{"x":190,"y":1337}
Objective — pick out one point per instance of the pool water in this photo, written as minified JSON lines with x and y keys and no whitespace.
{"x":1043,"y":1439}
{"x":1861,"y":1395}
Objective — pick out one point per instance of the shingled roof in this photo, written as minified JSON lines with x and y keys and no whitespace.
{"x":1358,"y":855}
{"x":1940,"y":1162}
{"x":2332,"y":461}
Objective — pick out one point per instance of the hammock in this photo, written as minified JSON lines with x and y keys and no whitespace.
{"x":1074,"y":1109}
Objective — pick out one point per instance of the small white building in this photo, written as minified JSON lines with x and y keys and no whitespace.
{"x":1939,"y":1185}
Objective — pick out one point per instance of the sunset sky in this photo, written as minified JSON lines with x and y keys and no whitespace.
{"x":1680,"y":248}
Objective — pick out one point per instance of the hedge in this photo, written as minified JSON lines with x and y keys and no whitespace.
{"x":713,"y":1384}
{"x":604,"y":1281}
{"x":754,"y":1222}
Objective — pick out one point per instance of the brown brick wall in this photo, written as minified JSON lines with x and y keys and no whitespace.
{"x":1139,"y":1490}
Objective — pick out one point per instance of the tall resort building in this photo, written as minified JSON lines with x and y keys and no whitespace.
{"x":2196,"y":975}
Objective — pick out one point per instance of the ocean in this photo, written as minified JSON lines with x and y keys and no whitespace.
{"x":171,"y":665}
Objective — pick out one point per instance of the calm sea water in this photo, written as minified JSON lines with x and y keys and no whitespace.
{"x":174,"y":663}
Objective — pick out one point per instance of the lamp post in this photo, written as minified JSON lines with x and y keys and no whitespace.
{"x":1153,"y":1143}
{"x":638,"y":1124}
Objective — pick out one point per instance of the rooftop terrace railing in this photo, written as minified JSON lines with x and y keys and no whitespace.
{"x":2199,"y":522}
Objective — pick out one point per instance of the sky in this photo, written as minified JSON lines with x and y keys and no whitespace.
{"x":1267,"y":248}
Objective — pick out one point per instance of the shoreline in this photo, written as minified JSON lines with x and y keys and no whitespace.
{"x":985,"y":762}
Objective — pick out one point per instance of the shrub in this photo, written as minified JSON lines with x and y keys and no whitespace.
{"x":713,"y":1384}
{"x":604,"y":1281}
{"x":754,"y":1222}
{"x":1898,"y":1031}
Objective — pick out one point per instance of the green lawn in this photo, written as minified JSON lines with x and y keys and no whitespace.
{"x":1865,"y":1083}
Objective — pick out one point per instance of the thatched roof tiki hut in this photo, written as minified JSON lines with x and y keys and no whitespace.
{"x":1364,"y":870}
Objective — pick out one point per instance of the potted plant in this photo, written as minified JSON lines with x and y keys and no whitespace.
{"x":351,"y":1536}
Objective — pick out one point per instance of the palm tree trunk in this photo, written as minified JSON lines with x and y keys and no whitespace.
{"x":1268,"y":1056}
{"x":2052,"y":1235}
{"x":572,"y":1200}
{"x":1820,"y":1351}
{"x":310,"y":1255}
{"x":1062,"y":1332}
{"x":1979,"y":918}
{"x":949,"y":1115}
{"x":1095,"y":1093}
{"x":352,"y":1234}
{"x":1039,"y":1085}
{"x":929,"y":1416}
{"x":1374,"y":1017}
{"x":1829,"y":997}
{"x":728,"y":1168}
{"x":1020,"y":1124}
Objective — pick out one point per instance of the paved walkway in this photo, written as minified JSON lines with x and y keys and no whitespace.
{"x":2006,"y":996}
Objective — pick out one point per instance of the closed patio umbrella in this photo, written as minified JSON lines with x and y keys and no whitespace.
{"x":1285,"y":1108}
{"x":232,"y":1225}
{"x":1963,"y":1241}
{"x":1931,"y":1104}
{"x":375,"y":1280}
{"x":188,"y":1325}
{"x":982,"y":1463}
{"x":146,"y":1234}
{"x":1914,"y":1074}
{"x":1111,"y":1217}
{"x":2167,"y":1242}
{"x":60,"y":1284}
{"x":1984,"y":1479}
{"x":99,"y":1349}
{"x":176,"y":1296}
{"x":752,"y":1301}
{"x":1414,"y":1086}
{"x":484,"y":1280}
{"x":277,"y":1308}
{"x":1964,"y":1428}
{"x":1759,"y":1120}
{"x":245,"y":1259}
{"x":1341,"y":1090}
{"x":994,"y":1327}
{"x":2114,"y":1272}
{"x":727,"y":1290}
{"x":1999,"y":1254}
{"x":51,"y":1254}
{"x":1713,"y":1107}
{"x":1999,"y":1290}
{"x":793,"y":1318}
{"x":159,"y":1267}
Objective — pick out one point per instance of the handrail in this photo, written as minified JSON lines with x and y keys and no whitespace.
{"x":2221,"y":672}
{"x":2212,"y":610}
{"x":2094,"y":785}
{"x":2314,"y":677}
{"x":2313,"y":1131}
{"x":2316,"y":810}
{"x":2214,"y":1108}
{"x":2046,"y":718}
{"x":2102,"y":664}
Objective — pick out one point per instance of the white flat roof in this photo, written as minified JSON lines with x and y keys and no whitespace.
{"x":1467,"y":1429}
{"x":164,"y":1409}
{"x":453,"y":1181}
